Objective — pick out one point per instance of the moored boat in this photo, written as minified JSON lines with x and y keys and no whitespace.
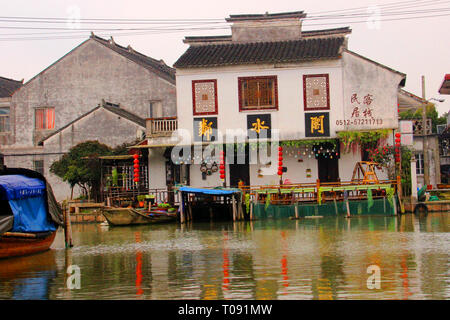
{"x":29,"y":213}
{"x":132,"y":216}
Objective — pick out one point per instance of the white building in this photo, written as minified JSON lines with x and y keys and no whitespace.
{"x":270,"y":74}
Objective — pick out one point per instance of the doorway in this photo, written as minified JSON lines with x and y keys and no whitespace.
{"x":328,"y":169}
{"x":239,"y":171}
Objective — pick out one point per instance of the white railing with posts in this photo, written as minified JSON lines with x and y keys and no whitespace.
{"x":160,"y":127}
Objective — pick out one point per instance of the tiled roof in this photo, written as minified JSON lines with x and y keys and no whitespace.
{"x":326,"y":32}
{"x":114,"y":108}
{"x":157,"y":66}
{"x":8,"y":86}
{"x":261,"y":52}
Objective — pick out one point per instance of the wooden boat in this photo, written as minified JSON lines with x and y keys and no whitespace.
{"x":29,"y":213}
{"x":131,"y":216}
{"x":14,"y":244}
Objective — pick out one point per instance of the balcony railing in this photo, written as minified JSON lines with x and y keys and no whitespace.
{"x":161,"y":127}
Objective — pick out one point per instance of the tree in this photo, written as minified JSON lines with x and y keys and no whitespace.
{"x":80,"y":166}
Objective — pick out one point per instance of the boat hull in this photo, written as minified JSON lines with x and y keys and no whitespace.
{"x":129,"y":216}
{"x":17,"y":244}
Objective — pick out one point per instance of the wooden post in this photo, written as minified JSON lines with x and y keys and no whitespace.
{"x":251,"y":210}
{"x":394,"y":202}
{"x":182,"y":217}
{"x":384,"y":204}
{"x":317,"y":191}
{"x":335,"y":206}
{"x":296,"y":210}
{"x":348,"y":208}
{"x":67,"y":228}
{"x":210,"y":213}
{"x":233,"y":200}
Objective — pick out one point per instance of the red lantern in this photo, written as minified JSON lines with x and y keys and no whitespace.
{"x":280,"y":160}
{"x":398,"y":135}
{"x":136,"y":168}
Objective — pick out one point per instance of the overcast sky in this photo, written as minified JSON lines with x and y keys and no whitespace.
{"x":417,"y":47}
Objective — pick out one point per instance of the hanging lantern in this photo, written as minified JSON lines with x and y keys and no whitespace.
{"x":280,"y":161}
{"x":397,"y":147}
{"x":222,"y":166}
{"x":136,"y":167}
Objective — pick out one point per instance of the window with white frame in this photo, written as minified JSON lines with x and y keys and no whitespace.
{"x":419,"y":163}
{"x":4,"y":119}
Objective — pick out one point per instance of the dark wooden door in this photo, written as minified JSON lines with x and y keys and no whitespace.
{"x":328,"y":170}
{"x":239,"y":171}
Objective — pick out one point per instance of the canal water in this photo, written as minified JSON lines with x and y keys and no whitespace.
{"x":328,"y":258}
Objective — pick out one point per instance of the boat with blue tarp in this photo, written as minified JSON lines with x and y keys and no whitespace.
{"x":29,"y":214}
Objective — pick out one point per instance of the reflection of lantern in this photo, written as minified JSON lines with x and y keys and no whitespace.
{"x":280,"y":161}
{"x":397,"y":147}
{"x":136,"y":167}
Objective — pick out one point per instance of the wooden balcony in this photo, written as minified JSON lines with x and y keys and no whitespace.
{"x":161,"y":127}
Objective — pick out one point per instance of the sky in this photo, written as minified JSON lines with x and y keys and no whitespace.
{"x":416,"y":47}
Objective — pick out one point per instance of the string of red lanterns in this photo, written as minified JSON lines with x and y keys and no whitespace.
{"x":222,"y":166}
{"x":136,"y":167}
{"x":280,"y":161}
{"x":397,"y":147}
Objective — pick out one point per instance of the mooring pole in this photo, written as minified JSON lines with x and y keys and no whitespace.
{"x":347,"y":205}
{"x":233,"y":200}
{"x":67,"y":228}
{"x":182,"y":217}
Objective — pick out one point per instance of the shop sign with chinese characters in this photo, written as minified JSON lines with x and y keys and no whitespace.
{"x":362,"y":112}
{"x":317,"y":124}
{"x":259,"y":126}
{"x":205,"y":129}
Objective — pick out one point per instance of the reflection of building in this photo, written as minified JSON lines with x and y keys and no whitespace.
{"x":270,"y":75}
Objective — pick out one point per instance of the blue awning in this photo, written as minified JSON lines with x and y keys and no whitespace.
{"x":15,"y":187}
{"x":214,"y":192}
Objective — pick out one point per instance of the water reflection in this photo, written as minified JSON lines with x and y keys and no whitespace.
{"x":272,"y":259}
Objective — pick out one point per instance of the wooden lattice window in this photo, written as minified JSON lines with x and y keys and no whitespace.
{"x":316,"y":92}
{"x":204,"y":96}
{"x":257,"y":93}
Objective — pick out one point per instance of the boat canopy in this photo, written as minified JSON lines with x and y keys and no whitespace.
{"x":214,"y":192}
{"x":23,"y":202}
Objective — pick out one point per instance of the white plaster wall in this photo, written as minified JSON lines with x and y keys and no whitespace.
{"x":290,"y":115}
{"x":157,"y":168}
{"x":363,"y":77}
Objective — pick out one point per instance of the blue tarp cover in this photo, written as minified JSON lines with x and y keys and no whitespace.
{"x":216,"y":192}
{"x":14,"y":187}
{"x":26,"y":197}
